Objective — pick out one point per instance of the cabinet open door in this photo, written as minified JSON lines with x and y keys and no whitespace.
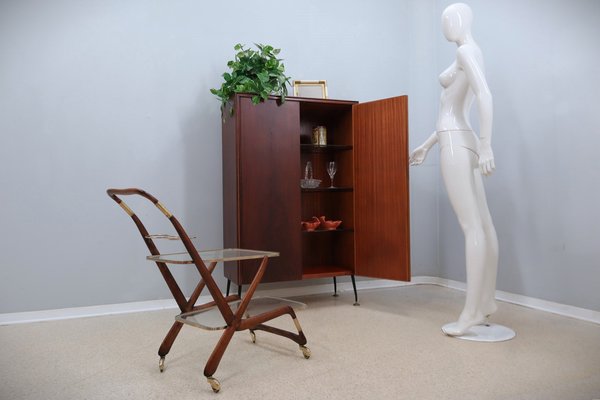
{"x":381,"y":191}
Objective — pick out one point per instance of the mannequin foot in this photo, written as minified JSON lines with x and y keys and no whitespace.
{"x":491,"y":308}
{"x":461,"y":326}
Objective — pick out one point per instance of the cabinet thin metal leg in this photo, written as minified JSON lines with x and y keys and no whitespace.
{"x":335,"y":293}
{"x":356,"y":303}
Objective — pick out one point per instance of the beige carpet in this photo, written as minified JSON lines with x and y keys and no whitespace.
{"x":390,"y":347}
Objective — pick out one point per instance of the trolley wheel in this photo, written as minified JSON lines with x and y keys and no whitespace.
{"x":214,"y":384}
{"x":305,"y":351}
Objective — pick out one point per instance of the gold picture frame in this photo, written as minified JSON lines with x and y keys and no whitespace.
{"x":316,"y":89}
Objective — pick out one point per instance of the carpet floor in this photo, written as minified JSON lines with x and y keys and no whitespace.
{"x":390,"y":347}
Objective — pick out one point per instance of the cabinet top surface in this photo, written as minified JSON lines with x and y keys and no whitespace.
{"x":303,"y":99}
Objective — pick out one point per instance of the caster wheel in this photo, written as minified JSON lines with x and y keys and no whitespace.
{"x":214,"y":384}
{"x":253,"y":336}
{"x":305,"y":351}
{"x":161,"y":364}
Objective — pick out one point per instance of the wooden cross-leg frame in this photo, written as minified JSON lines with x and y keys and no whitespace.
{"x":252,"y":323}
{"x":185,"y":306}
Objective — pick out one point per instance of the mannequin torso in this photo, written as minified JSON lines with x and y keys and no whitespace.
{"x":455,"y":100}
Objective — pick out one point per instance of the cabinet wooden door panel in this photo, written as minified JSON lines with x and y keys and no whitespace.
{"x":381,"y":202}
{"x":269,"y":186}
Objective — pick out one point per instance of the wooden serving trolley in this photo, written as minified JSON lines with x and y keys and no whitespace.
{"x":229,"y":313}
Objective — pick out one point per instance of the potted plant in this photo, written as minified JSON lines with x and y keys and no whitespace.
{"x":260,"y":73}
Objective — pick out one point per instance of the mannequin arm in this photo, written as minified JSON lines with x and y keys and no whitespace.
{"x":474,"y":71}
{"x":419,"y":154}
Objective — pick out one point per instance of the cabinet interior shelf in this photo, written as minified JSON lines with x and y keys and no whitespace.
{"x":313,"y":148}
{"x":325,"y":271}
{"x":328,"y":189}
{"x":317,"y":231}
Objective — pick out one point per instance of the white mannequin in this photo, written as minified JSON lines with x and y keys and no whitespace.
{"x":463,"y":158}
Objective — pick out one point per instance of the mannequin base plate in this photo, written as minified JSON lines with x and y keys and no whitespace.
{"x":485,"y":333}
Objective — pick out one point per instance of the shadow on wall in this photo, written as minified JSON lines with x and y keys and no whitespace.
{"x":510,"y":265}
{"x":202,"y":178}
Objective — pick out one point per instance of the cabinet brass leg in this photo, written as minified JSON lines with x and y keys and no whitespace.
{"x":161,"y":364}
{"x":356,"y":303}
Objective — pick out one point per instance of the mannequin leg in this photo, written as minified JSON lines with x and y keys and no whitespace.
{"x":488,"y":301}
{"x":458,"y":165}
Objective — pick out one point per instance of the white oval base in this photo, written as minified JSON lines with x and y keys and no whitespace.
{"x":485,"y":333}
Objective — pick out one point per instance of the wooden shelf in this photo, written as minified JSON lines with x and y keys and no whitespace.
{"x":328,"y":189}
{"x":324,"y":271}
{"x":317,"y":231}
{"x":312,"y":148}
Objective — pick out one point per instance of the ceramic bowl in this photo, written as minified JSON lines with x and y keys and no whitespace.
{"x":310,"y":226}
{"x":329,"y":225}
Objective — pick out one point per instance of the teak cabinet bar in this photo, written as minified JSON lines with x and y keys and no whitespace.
{"x":265,"y":149}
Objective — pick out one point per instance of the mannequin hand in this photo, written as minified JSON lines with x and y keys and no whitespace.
{"x":418,"y":155}
{"x":486,"y":160}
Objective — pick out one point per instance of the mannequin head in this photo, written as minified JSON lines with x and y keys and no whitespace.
{"x":456,"y":22}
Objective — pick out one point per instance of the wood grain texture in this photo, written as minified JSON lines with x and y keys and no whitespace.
{"x":269,"y":186}
{"x":381,"y":197}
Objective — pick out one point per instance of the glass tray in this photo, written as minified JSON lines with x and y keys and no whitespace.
{"x":213,"y":256}
{"x":211,"y":318}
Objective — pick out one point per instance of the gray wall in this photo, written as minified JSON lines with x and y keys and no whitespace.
{"x":100,"y":94}
{"x":543,"y":67}
{"x":115,"y":93}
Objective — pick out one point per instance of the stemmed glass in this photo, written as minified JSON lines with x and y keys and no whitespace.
{"x":331,"y":170}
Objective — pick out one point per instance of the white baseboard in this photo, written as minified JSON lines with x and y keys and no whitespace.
{"x":153,"y":305}
{"x":83,"y":312}
{"x":525,"y":301}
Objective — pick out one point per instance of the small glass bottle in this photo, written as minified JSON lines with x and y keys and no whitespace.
{"x":308,"y":171}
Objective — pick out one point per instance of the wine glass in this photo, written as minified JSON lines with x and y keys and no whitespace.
{"x":331,"y":170}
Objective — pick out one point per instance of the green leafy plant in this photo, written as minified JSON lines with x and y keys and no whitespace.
{"x":258,"y":72}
